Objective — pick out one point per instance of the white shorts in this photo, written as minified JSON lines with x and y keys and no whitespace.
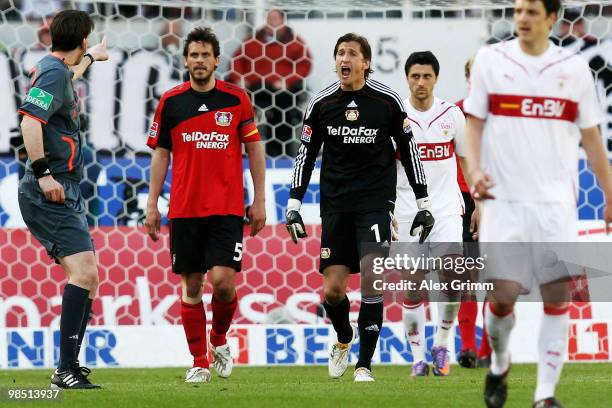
{"x":445,"y":238}
{"x":517,"y":239}
{"x":514,"y":221}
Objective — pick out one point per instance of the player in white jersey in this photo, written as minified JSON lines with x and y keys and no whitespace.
{"x":527,"y":101}
{"x":438,"y":128}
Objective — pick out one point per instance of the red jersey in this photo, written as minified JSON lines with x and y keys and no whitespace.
{"x":460,"y":179}
{"x":204,"y":131}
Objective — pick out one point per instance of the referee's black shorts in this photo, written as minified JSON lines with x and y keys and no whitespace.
{"x":342,"y":236}
{"x":198,"y":244}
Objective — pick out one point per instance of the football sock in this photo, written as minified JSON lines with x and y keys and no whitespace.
{"x":467,"y":324}
{"x":413,"y":316}
{"x":552,"y":347}
{"x":447,"y":312}
{"x":485,"y":348}
{"x":86,"y":317}
{"x":194,"y":324}
{"x":499,"y":328}
{"x":339,"y":316}
{"x":369,"y":323}
{"x":74,"y":302}
{"x":223,"y":313}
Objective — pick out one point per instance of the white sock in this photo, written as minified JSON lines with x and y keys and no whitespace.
{"x":552,"y":349}
{"x":414,"y":324}
{"x":499,"y":329}
{"x":447,"y":313}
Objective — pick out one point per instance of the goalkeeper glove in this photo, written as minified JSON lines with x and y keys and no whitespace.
{"x":295,"y":225}
{"x":423,"y":221}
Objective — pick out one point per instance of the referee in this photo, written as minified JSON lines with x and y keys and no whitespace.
{"x":49,"y":196}
{"x":357,"y":119}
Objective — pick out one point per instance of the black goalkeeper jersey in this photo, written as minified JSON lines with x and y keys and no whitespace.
{"x":357,"y":129}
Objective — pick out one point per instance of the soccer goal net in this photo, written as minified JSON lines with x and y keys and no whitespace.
{"x":281,"y":52}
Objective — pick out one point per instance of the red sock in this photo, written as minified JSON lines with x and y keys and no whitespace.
{"x":194,"y":323}
{"x":485,"y":348}
{"x":223,"y":313}
{"x":467,"y":324}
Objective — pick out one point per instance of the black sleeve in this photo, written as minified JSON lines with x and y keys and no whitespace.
{"x":409,"y":152}
{"x":312,"y":139}
{"x":164,"y":139}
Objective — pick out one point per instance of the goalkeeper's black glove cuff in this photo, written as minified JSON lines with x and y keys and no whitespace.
{"x":423,"y":221}
{"x":295,"y":225}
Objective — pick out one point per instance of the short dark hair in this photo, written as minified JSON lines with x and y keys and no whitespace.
{"x":366,"y":50}
{"x":69,"y":28}
{"x":551,"y":6}
{"x":422,"y":58}
{"x":205,"y":35}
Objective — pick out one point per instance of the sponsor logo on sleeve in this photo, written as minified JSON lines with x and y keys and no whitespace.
{"x":306,"y":133}
{"x":223,"y":118}
{"x":406,"y":125}
{"x":40,"y":98}
{"x":153,"y":130}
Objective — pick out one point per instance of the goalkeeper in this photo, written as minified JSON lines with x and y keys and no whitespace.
{"x":356,"y":118}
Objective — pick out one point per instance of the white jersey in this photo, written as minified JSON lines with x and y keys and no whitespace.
{"x":438,"y":133}
{"x":533,"y":107}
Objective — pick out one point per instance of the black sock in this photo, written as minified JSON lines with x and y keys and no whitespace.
{"x":369,"y":323}
{"x":86,"y":317}
{"x":74,"y":302}
{"x":339,"y":316}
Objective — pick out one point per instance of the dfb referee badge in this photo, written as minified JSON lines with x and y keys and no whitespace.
{"x":325,"y":253}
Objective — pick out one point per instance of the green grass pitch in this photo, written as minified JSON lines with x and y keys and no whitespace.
{"x":582,"y":385}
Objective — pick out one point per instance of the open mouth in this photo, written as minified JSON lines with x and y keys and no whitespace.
{"x":345,"y":72}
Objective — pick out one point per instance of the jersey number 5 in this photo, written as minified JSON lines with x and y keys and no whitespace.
{"x":238,"y":250}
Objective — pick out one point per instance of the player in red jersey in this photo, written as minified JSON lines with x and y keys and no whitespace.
{"x":468,"y":311}
{"x":204,"y":123}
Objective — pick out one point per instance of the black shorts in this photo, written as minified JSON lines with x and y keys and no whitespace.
{"x":60,"y":227}
{"x":198,"y":244}
{"x":342,"y":236}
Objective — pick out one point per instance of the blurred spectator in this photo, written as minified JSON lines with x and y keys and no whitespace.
{"x":273,"y":65}
{"x":44,"y":33}
{"x":10,"y":9}
{"x":35,"y":9}
{"x":171,"y":34}
{"x":572,"y":32}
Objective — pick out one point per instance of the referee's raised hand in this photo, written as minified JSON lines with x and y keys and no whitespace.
{"x":99,"y":51}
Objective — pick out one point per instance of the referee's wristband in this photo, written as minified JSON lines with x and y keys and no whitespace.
{"x":41,"y":168}
{"x":90,"y":57}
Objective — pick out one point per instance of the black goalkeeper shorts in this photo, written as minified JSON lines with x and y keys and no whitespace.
{"x":198,"y":244}
{"x":343,"y":236}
